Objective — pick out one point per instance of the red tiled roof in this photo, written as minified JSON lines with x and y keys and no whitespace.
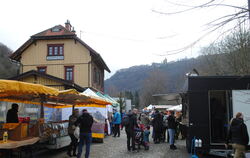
{"x":62,"y":32}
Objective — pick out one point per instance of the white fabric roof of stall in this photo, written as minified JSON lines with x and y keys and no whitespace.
{"x":89,"y":92}
{"x":150,"y":107}
{"x":176,"y":108}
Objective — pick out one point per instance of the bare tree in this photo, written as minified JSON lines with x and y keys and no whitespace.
{"x":121,"y":102}
{"x":112,"y":91}
{"x":153,"y":84}
{"x":240,"y":16}
{"x":230,"y":56}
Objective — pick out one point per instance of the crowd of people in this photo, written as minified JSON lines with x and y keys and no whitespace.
{"x":166,"y":127}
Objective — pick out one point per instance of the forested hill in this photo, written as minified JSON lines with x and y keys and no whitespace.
{"x":7,"y":68}
{"x":133,"y":78}
{"x":229,"y":56}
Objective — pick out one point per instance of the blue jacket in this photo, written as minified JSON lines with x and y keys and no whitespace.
{"x":146,"y":134}
{"x":117,"y":118}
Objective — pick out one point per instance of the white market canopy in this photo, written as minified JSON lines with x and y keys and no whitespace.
{"x":150,"y":107}
{"x":176,"y":108}
{"x":98,"y":95}
{"x":89,"y":92}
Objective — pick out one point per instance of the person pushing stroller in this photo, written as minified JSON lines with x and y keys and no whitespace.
{"x":142,"y":137}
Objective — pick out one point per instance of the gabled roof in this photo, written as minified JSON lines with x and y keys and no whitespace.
{"x":63,"y":33}
{"x":36,"y":73}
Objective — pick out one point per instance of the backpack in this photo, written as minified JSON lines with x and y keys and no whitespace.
{"x":125,"y":120}
{"x":165,"y":122}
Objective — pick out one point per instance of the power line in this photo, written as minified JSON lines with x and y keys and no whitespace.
{"x":127,"y":38}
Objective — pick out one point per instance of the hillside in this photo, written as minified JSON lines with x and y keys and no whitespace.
{"x":7,"y":68}
{"x":131,"y":79}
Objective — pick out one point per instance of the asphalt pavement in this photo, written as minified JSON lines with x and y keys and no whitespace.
{"x":116,"y":148}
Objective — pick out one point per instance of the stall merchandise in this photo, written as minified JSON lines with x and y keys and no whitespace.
{"x":16,"y":131}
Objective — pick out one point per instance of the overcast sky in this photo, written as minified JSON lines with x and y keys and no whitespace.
{"x":124,"y":32}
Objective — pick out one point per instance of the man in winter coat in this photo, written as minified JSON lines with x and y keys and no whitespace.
{"x":238,"y":136}
{"x":158,"y":126}
{"x":171,"y":129}
{"x":85,"y":122}
{"x":130,"y":129}
{"x":117,"y":122}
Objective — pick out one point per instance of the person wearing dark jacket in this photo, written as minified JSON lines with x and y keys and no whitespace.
{"x":130,"y":129}
{"x":171,"y":129}
{"x":12,"y":114}
{"x":85,"y":122}
{"x":71,"y":129}
{"x":238,"y":136}
{"x":158,"y":126}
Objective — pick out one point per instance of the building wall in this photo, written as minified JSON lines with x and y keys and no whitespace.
{"x":43,"y":81}
{"x":75,"y":54}
{"x":95,"y":83}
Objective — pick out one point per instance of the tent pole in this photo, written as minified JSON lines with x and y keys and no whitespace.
{"x":42,"y":106}
{"x":73,"y":108}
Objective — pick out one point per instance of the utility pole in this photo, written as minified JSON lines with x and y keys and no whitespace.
{"x":249,"y":9}
{"x":82,"y":31}
{"x":248,"y":1}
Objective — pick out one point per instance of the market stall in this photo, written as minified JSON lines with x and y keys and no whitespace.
{"x":99,"y":112}
{"x":62,"y":106}
{"x":52,"y":126}
{"x":18,"y":135}
{"x":59,"y":108}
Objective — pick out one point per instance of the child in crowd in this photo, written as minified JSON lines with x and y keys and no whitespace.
{"x":146,"y":134}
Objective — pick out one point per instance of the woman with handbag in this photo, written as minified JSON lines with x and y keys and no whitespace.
{"x":71,"y":130}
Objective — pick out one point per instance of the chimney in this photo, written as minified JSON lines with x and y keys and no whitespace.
{"x":73,"y":30}
{"x":68,"y":25}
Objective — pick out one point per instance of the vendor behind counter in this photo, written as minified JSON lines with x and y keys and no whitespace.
{"x":12,"y":114}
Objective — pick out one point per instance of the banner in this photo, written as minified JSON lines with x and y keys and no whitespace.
{"x":99,"y":115}
{"x":52,"y":114}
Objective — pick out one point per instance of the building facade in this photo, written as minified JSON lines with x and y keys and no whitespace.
{"x":56,"y":57}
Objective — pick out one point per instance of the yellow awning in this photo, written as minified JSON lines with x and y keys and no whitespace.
{"x":23,"y":92}
{"x":69,"y":106}
{"x":67,"y":98}
{"x":10,"y":87}
{"x":68,"y":91}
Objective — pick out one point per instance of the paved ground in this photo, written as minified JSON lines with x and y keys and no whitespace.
{"x":116,"y":148}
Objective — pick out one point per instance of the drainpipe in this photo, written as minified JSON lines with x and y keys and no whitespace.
{"x":89,"y":72}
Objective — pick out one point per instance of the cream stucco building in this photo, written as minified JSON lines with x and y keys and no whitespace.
{"x":56,"y":57}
